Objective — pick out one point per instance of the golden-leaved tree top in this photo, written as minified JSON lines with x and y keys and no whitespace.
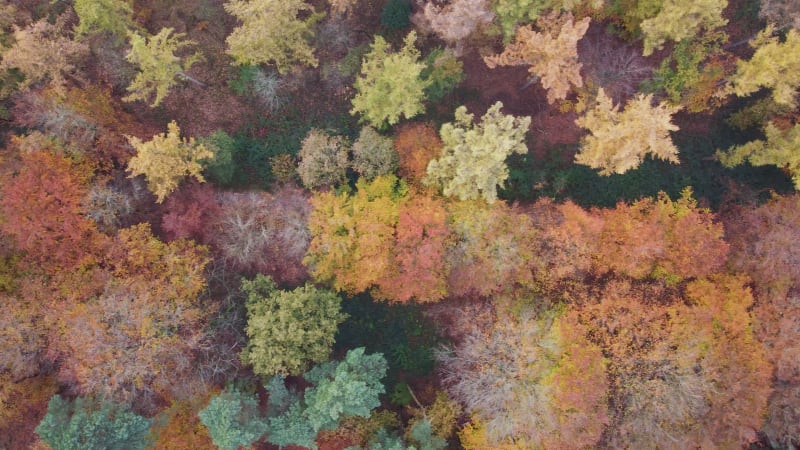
{"x":272,"y":33}
{"x":167,"y":159}
{"x":551,"y":54}
{"x":681,"y":19}
{"x":775,"y":65}
{"x":619,"y":140}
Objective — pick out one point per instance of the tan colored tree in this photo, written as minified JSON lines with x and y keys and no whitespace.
{"x":781,"y":12}
{"x":167,"y":159}
{"x":158,"y":65}
{"x":456,"y":20}
{"x":552,"y":54}
{"x":619,"y":140}
{"x":272,"y":33}
{"x":43,"y":54}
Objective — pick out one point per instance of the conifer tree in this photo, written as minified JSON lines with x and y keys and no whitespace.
{"x":158,"y":65}
{"x":781,"y":148}
{"x":681,"y":19}
{"x":166,"y":160}
{"x":619,"y":140}
{"x":472,"y":164}
{"x":113,"y":16}
{"x":775,"y":65}
{"x":233,"y":419}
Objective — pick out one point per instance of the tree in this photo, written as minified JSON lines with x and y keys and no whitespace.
{"x":780,"y":12}
{"x":390,"y":83}
{"x":491,"y":249}
{"x":417,"y":144}
{"x":86,"y":424}
{"x":373,"y":155}
{"x":552,"y":55}
{"x":661,"y":238}
{"x":166,"y":160}
{"x":158,"y":65}
{"x":272,"y":33}
{"x":43,"y":211}
{"x":138,"y":335}
{"x":323,"y":159}
{"x":456,"y":20}
{"x":113,"y":16}
{"x":352,"y":235}
{"x":775,"y":65}
{"x":233,"y":419}
{"x":540,"y":383}
{"x":420,"y":265}
{"x":619,"y":141}
{"x":43,"y":55}
{"x":681,"y":19}
{"x":782,"y":149}
{"x":287,"y":330}
{"x":472,"y":163}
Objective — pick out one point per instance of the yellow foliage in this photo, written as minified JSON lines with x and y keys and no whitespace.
{"x":619,"y":141}
{"x":681,"y":19}
{"x":775,"y":65}
{"x":167,"y":159}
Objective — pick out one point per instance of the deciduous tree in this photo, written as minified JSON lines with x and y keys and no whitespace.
{"x":390,"y":85}
{"x":373,"y":154}
{"x":166,"y":160}
{"x":681,"y":19}
{"x":775,"y":65}
{"x":551,"y":55}
{"x":113,"y":16}
{"x":323,"y":159}
{"x":456,"y":20}
{"x":472,"y":163}
{"x":272,"y":33}
{"x":288,"y":330}
{"x":158,"y":65}
{"x":619,"y":140}
{"x":781,"y":148}
{"x":417,"y":144}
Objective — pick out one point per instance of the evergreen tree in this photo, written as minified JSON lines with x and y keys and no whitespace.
{"x":233,"y":420}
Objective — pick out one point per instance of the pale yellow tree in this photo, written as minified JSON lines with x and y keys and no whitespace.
{"x":271,"y":32}
{"x":552,"y":54}
{"x":775,"y":65}
{"x":619,"y":140}
{"x":781,"y":148}
{"x":681,"y":19}
{"x":43,"y":54}
{"x":167,"y":159}
{"x":456,"y":20}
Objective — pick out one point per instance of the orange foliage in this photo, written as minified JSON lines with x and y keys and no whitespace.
{"x":23,"y":404}
{"x":420,"y":267}
{"x":493,"y":248}
{"x":416,"y":144}
{"x":180,"y":427}
{"x":661,"y":237}
{"x":42,"y":210}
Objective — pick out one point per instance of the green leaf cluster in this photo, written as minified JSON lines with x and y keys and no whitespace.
{"x":233,"y":420}
{"x":87,"y":424}
{"x":472,"y":164}
{"x":287,"y":330}
{"x":390,"y":84}
{"x":113,"y":16}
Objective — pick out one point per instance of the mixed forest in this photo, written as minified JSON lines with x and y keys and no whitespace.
{"x":399,"y":224}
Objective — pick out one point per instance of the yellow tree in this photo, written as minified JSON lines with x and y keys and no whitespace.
{"x":167,"y":159}
{"x":158,"y":65}
{"x":782,"y":148}
{"x":551,"y":54}
{"x":272,"y":33}
{"x":681,"y":19}
{"x":619,"y":140}
{"x":775,"y":65}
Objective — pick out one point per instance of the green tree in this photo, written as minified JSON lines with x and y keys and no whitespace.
{"x":390,"y":84}
{"x":619,"y":141}
{"x":272,"y":33}
{"x":681,"y":19}
{"x":775,"y":65}
{"x":166,"y":160}
{"x":85,"y":424}
{"x":373,"y":154}
{"x":158,"y":65}
{"x":472,"y":164}
{"x":114,"y":16}
{"x":782,"y":149}
{"x":288,"y":329}
{"x":233,"y":420}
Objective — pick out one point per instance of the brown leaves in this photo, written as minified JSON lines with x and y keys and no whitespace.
{"x":551,"y":54}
